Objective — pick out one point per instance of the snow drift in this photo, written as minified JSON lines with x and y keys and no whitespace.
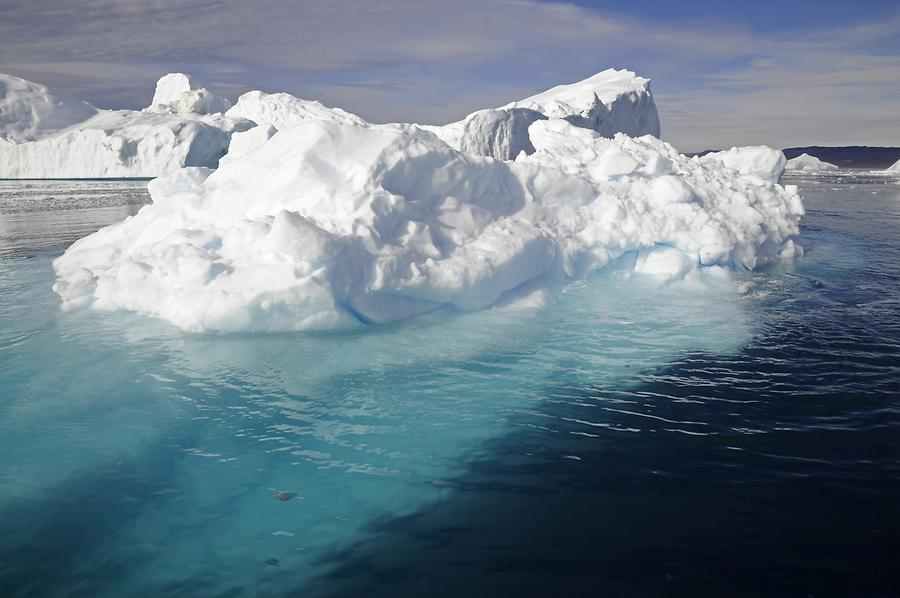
{"x":50,"y":135}
{"x":612,"y":101}
{"x":807,"y":163}
{"x":326,"y":225}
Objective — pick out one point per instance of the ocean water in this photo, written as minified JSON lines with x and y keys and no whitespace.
{"x":623,"y":440}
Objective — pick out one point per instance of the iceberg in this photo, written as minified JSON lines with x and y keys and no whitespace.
{"x":29,"y":111}
{"x":894,"y":168}
{"x":50,"y":135}
{"x":328,"y":225}
{"x":178,"y":93}
{"x":758,"y":160}
{"x":612,"y":101}
{"x":807,"y":163}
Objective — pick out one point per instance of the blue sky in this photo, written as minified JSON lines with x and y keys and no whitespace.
{"x":724,"y":73}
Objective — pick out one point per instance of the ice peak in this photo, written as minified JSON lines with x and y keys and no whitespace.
{"x":180,"y":93}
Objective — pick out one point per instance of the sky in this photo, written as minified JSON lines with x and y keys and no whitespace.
{"x":779,"y":73}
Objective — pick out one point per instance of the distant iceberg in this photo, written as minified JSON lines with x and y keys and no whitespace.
{"x":807,"y":163}
{"x":46,"y":134}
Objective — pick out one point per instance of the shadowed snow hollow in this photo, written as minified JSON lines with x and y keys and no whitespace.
{"x":327,"y":225}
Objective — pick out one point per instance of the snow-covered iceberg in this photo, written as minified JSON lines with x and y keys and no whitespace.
{"x":758,"y":160}
{"x":50,"y":135}
{"x":178,"y":93}
{"x":612,"y":101}
{"x":326,"y":225}
{"x":807,"y":163}
{"x":29,"y":111}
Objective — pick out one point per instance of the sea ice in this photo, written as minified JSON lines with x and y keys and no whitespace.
{"x":326,"y":225}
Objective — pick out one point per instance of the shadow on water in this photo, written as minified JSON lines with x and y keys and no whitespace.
{"x":56,"y":543}
{"x":787,"y":487}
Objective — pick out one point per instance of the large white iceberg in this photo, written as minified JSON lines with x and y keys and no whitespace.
{"x":807,"y":163}
{"x":326,"y":225}
{"x":67,"y":138}
{"x":612,"y":101}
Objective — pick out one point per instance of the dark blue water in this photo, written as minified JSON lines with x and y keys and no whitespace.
{"x":626,"y":440}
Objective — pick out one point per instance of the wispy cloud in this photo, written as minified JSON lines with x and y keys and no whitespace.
{"x":433,"y":61}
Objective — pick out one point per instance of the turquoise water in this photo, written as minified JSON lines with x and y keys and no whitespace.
{"x":613,"y":439}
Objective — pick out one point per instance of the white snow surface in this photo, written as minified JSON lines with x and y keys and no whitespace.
{"x":895,"y":167}
{"x":327,"y":225}
{"x":282,"y":110}
{"x":63,"y":139}
{"x":179,"y":93}
{"x":807,"y":163}
{"x":123,"y":143}
{"x":758,"y":160}
{"x":612,"y":101}
{"x":29,"y":111}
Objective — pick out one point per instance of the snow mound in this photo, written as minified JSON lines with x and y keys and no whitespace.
{"x":894,"y":168}
{"x":612,"y":101}
{"x":282,"y":110}
{"x":29,"y":111}
{"x":759,"y":160}
{"x":326,"y":225}
{"x":807,"y":163}
{"x":79,"y":142}
{"x":180,"y":94}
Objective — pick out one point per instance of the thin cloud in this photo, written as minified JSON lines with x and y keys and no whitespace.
{"x":433,"y":61}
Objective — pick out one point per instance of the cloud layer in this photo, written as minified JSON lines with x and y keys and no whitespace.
{"x":434,"y":61}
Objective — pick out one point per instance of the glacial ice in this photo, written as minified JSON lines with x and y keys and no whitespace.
{"x":807,"y":163}
{"x":282,"y":110}
{"x":327,"y":224}
{"x":612,"y":101}
{"x":181,"y":94}
{"x":758,"y":160}
{"x":29,"y":111}
{"x":50,"y":135}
